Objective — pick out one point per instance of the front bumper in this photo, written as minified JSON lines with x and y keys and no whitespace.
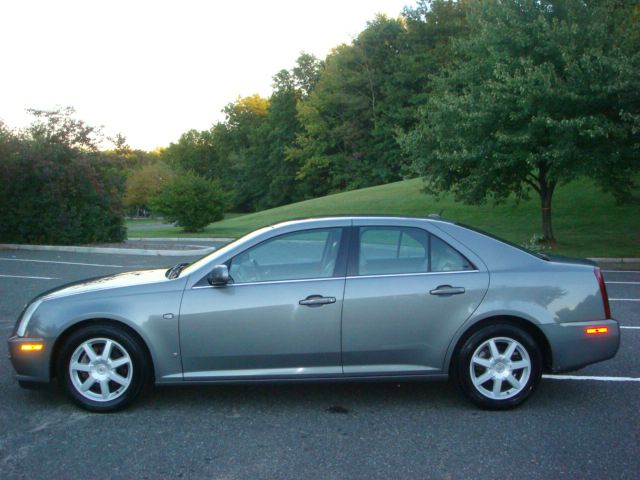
{"x":573,"y":348}
{"x":31,"y":366}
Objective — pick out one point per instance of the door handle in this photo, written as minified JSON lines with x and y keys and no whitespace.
{"x":447,"y":290}
{"x":317,"y":301}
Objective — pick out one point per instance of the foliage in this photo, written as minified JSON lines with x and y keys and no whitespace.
{"x":191,"y":201}
{"x":246,"y":152}
{"x":540,"y":93}
{"x":144,"y":183}
{"x":348,"y":138}
{"x":589,"y":222}
{"x":56,"y":187}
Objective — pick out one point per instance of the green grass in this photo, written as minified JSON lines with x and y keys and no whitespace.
{"x":132,"y":222}
{"x":586,"y":221}
{"x":129,"y":222}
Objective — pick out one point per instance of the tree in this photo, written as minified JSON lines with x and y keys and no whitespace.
{"x":55,"y":186}
{"x":274,"y":174}
{"x":191,"y":201}
{"x":348,"y":139}
{"x":145,"y":183}
{"x":540,"y":92}
{"x":194,"y":151}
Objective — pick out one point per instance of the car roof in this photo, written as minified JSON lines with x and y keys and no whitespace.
{"x":320,"y":218}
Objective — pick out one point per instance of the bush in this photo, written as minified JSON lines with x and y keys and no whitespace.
{"x":55,"y":189}
{"x":191,"y":201}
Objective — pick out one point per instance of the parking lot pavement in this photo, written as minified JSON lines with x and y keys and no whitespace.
{"x":569,"y":429}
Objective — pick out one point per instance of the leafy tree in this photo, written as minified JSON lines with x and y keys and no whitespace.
{"x":541,"y":91}
{"x":191,"y":201}
{"x":431,"y":26}
{"x":145,"y":183}
{"x":55,"y":186}
{"x":194,"y":151}
{"x":348,"y":139}
{"x":274,"y":174}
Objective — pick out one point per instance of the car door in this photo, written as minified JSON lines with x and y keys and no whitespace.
{"x":407,"y":293}
{"x":278,"y":317}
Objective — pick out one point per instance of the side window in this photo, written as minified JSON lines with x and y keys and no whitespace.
{"x":386,"y":250}
{"x":293,"y":256}
{"x":445,"y":258}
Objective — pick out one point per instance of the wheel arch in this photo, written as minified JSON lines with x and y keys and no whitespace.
{"x":62,"y":338}
{"x":531,"y":328}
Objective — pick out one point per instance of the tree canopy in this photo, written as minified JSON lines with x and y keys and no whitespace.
{"x":55,"y":185}
{"x":539,"y":93}
{"x":486,"y":99}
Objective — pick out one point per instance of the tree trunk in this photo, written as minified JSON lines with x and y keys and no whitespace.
{"x":546,"y":194}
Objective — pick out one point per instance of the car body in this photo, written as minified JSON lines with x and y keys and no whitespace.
{"x":336,"y":298}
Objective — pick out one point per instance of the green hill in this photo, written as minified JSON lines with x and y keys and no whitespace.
{"x":586,"y":221}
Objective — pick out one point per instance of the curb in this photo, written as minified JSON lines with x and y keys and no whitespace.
{"x":180,"y":239}
{"x":616,"y":260}
{"x":109,"y":250}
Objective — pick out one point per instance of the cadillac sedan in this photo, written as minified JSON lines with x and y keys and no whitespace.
{"x":327,"y":299}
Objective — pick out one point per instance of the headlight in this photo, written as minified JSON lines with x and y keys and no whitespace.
{"x":26,"y":316}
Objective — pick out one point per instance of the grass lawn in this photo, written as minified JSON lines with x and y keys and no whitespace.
{"x":132,"y":222}
{"x":586,"y":221}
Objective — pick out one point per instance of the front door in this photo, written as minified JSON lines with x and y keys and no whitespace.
{"x":279,"y":317}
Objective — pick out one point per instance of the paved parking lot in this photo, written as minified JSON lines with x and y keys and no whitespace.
{"x":582,"y":427}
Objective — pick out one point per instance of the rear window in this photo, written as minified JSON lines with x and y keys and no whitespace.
{"x":400,"y":250}
{"x":511,"y":244}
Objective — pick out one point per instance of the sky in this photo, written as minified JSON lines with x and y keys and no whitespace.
{"x":152,"y":70}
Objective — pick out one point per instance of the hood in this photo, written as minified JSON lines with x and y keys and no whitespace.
{"x":127,"y":279}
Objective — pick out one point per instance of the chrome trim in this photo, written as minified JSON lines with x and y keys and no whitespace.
{"x":337,"y":278}
{"x":269,"y":282}
{"x":23,"y":324}
{"x":416,"y":274}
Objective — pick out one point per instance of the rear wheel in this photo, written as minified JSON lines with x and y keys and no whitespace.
{"x":499,"y":367}
{"x":103,"y":368}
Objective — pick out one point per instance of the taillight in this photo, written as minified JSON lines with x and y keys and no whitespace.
{"x":603,"y":292}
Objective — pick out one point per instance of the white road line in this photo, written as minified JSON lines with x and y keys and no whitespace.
{"x":624,"y":283}
{"x":631,"y":328}
{"x":624,"y":299}
{"x":588,"y":377}
{"x":60,"y":262}
{"x":34,"y":278}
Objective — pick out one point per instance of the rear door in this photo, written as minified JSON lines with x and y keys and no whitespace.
{"x":407,"y":292}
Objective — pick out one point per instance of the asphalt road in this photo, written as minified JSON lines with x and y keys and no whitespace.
{"x":582,"y":428}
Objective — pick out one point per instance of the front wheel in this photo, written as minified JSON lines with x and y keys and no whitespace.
{"x":499,"y":367}
{"x":102,"y":367}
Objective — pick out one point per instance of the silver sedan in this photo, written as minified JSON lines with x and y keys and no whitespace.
{"x":327,"y":299}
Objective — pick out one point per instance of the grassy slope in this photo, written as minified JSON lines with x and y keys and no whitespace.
{"x":586,"y":221}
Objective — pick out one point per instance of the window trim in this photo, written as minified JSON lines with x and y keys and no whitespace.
{"x":354,"y":248}
{"x":339,"y":270}
{"x":473,"y":265}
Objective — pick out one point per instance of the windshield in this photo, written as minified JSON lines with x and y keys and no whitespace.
{"x":221,"y":251}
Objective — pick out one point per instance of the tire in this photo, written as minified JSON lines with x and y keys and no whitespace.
{"x":102,"y":381}
{"x":498,"y":367}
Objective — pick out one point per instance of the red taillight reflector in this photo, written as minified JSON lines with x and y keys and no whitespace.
{"x":597,"y":330}
{"x":603,"y":293}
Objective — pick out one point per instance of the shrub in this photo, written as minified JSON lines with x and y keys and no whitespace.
{"x":191,"y":201}
{"x":56,"y":188}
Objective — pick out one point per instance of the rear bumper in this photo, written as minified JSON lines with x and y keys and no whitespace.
{"x":31,"y":366}
{"x":572,"y":348}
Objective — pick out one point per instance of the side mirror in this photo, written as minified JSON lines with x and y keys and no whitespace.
{"x":219,"y":276}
